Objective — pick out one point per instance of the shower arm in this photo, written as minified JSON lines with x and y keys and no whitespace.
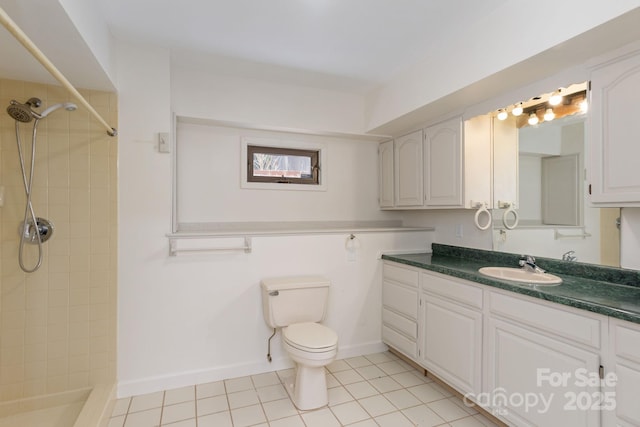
{"x":13,"y":28}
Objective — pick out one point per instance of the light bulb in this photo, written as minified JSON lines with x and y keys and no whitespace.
{"x":584,"y":106}
{"x":517,"y":109}
{"x":502,"y":114}
{"x":533,"y":119}
{"x":555,"y":98}
{"x":549,"y":115}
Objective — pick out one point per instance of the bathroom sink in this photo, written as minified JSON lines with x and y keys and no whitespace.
{"x":520,"y":275}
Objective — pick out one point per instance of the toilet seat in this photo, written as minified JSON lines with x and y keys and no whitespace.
{"x":310,"y":337}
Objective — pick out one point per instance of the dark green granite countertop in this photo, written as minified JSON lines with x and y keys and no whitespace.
{"x":608,"y":291}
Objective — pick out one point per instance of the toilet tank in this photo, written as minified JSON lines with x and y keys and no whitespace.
{"x":288,"y":300}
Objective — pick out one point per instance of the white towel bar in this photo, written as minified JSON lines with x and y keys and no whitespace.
{"x":583,"y":235}
{"x":174,"y":249}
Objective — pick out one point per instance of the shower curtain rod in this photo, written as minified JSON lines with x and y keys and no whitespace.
{"x":13,"y":28}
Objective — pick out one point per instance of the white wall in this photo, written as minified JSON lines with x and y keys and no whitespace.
{"x":180,"y":318}
{"x":198,"y":318}
{"x":196,"y":92}
{"x":90,"y":23}
{"x":209,"y":165}
{"x":630,"y":242}
{"x":486,"y":48}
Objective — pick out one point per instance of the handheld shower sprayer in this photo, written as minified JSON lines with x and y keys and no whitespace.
{"x":34,"y":230}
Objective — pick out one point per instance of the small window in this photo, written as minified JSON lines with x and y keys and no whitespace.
{"x":282,"y":165}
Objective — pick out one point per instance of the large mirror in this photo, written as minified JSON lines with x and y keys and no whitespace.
{"x":554,"y":216}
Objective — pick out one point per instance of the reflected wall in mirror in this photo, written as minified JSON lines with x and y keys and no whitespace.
{"x":556,"y":220}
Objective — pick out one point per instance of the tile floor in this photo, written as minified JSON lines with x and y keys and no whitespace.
{"x":365,"y":391}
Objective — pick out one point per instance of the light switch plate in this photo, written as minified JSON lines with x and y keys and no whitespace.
{"x":164,"y":142}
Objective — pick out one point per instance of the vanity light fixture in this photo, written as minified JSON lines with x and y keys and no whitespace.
{"x":533,"y":119}
{"x":502,"y":114}
{"x":549,"y":115}
{"x":555,"y":98}
{"x":517,"y":109}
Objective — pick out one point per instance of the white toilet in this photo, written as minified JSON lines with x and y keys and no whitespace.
{"x":295,"y":304}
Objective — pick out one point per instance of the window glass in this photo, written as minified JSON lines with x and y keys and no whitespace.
{"x":282,"y":165}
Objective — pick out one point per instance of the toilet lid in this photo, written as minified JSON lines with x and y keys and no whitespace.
{"x":310,"y":335}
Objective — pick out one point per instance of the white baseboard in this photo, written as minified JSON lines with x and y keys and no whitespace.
{"x":182,"y":379}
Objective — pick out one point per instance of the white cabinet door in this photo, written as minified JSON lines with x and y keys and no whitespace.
{"x":534,"y":380}
{"x":451,"y":345}
{"x":615,"y":132}
{"x":505,"y":161}
{"x":408,"y":170}
{"x":400,"y":308}
{"x":625,"y":342}
{"x":443,"y":164}
{"x":385,"y":174}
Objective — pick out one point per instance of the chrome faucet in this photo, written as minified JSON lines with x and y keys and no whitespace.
{"x":529,"y":264}
{"x":569,"y":256}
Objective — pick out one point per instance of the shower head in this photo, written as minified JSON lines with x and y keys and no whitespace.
{"x":69,"y":106}
{"x":21,"y":112}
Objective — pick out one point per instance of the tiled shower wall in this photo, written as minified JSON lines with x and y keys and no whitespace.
{"x":58,"y":324}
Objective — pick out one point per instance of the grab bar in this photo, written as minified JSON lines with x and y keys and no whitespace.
{"x":174,"y":249}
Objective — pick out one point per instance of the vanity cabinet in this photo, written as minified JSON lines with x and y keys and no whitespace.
{"x":547,"y":354}
{"x":400,"y":308}
{"x":614,"y":131}
{"x":625,"y":344}
{"x":450,"y":325}
{"x":501,"y":348}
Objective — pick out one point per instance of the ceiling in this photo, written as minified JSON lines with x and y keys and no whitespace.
{"x":350,"y":45}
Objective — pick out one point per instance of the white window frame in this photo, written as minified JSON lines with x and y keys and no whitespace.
{"x":279,"y":143}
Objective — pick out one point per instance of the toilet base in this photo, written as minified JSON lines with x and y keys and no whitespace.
{"x":308,"y":388}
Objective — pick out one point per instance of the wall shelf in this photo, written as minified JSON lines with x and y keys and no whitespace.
{"x":235,"y":237}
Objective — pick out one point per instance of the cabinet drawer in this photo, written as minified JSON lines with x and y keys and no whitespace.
{"x":400,"y":299}
{"x":573,"y":326}
{"x":402,"y":324}
{"x":627,"y":341}
{"x":443,"y":286}
{"x":399,"y":342}
{"x":401,"y":275}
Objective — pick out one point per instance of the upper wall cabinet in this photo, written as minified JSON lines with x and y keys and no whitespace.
{"x":440,"y":167}
{"x":408,"y":170}
{"x":443,"y":164}
{"x":615,"y":132}
{"x":385,"y":175}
